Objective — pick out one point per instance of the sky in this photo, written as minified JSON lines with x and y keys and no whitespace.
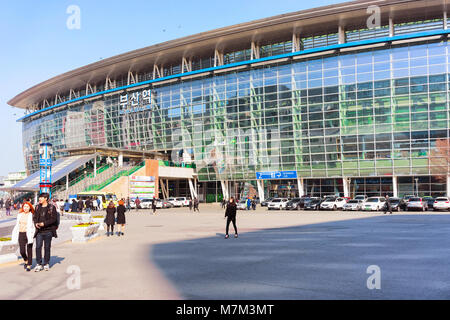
{"x":37,"y":44}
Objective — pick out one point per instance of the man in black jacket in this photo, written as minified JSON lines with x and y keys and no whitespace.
{"x":387,"y":205}
{"x":45,"y":219}
{"x":230,"y":214}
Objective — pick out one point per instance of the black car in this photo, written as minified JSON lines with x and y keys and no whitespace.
{"x":397,"y":204}
{"x":294,"y":204}
{"x":430,"y":201}
{"x":313,"y":204}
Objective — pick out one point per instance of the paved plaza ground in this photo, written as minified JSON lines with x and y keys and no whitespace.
{"x":177,"y":254}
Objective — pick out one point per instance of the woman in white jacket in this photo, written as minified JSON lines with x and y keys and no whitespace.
{"x":23,"y":233}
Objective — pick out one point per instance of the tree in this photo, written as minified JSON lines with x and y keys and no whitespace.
{"x":440,"y":159}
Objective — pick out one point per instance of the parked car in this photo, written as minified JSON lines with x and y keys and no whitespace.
{"x":184,"y":201}
{"x":163,"y":204}
{"x":416,"y":203}
{"x":374,"y":204}
{"x":266,"y":202}
{"x":314,"y":204}
{"x":333,"y":203}
{"x":146,"y":203}
{"x":175,"y":202}
{"x":407,"y":197}
{"x":294,"y":204}
{"x":353,"y":205}
{"x":397,"y":204}
{"x":278,"y":204}
{"x":241,"y":204}
{"x":361,"y":197}
{"x":430,"y":202}
{"x":441,"y":203}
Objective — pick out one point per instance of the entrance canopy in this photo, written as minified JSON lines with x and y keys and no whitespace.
{"x":61,"y":168}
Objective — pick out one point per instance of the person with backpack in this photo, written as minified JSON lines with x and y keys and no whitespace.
{"x":46,"y":221}
{"x":230,"y":214}
{"x":23,"y":233}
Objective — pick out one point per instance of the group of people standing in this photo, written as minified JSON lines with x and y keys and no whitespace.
{"x":90,"y":204}
{"x":38,"y":223}
{"x":115,"y":215}
{"x":8,"y":205}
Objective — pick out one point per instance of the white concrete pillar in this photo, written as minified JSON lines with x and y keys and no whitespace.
{"x":346,"y":186}
{"x":301,"y":187}
{"x":225,"y":192}
{"x":448,"y":186}
{"x":445,"y":20}
{"x":341,"y":35}
{"x":395,"y":186}
{"x":391,"y":27}
{"x":121,"y":160}
{"x":192,"y":189}
{"x":260,"y":185}
{"x":67,"y":182}
{"x":95,"y":166}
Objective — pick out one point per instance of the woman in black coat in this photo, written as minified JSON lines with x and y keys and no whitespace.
{"x":230,"y":214}
{"x":110,"y":218}
{"x":121,"y":217}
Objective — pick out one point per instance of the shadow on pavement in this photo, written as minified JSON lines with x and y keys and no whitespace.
{"x":317,"y":261}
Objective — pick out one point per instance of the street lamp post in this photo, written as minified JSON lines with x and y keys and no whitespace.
{"x":417,"y":187}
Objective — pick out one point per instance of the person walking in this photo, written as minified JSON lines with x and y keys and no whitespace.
{"x":128,"y":204}
{"x":387,"y":205}
{"x":121,"y":217}
{"x":99,"y":204}
{"x":249,"y":203}
{"x":230,"y":214}
{"x":254,"y":204}
{"x":8,"y":207}
{"x":110,"y":218}
{"x":23,"y":233}
{"x":190,"y":204}
{"x":45,"y":219}
{"x":138,"y":203}
{"x":1,"y":204}
{"x":196,"y":205}
{"x":154,"y":205}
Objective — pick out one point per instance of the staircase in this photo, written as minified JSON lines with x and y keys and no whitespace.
{"x":126,"y":171}
{"x":86,"y":181}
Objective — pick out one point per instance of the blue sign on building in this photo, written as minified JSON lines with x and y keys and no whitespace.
{"x":276,"y":175}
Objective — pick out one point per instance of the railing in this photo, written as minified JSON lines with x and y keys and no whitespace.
{"x":167,"y":163}
{"x":98,"y":187}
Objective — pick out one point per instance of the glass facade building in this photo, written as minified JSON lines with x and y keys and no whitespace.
{"x":366,"y":116}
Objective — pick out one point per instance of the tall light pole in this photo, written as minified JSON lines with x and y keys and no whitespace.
{"x":45,"y":164}
{"x":417,"y":187}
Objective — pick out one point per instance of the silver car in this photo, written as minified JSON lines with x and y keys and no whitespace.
{"x":417,"y":204}
{"x":353,"y":205}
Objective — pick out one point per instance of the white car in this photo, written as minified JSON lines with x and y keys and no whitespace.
{"x":241,"y":205}
{"x":361,"y":197}
{"x":353,"y":205}
{"x":441,"y":203}
{"x":374,"y":204}
{"x":146,"y":203}
{"x":175,"y":202}
{"x":278,"y":204}
{"x":184,"y":201}
{"x":333,"y":203}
